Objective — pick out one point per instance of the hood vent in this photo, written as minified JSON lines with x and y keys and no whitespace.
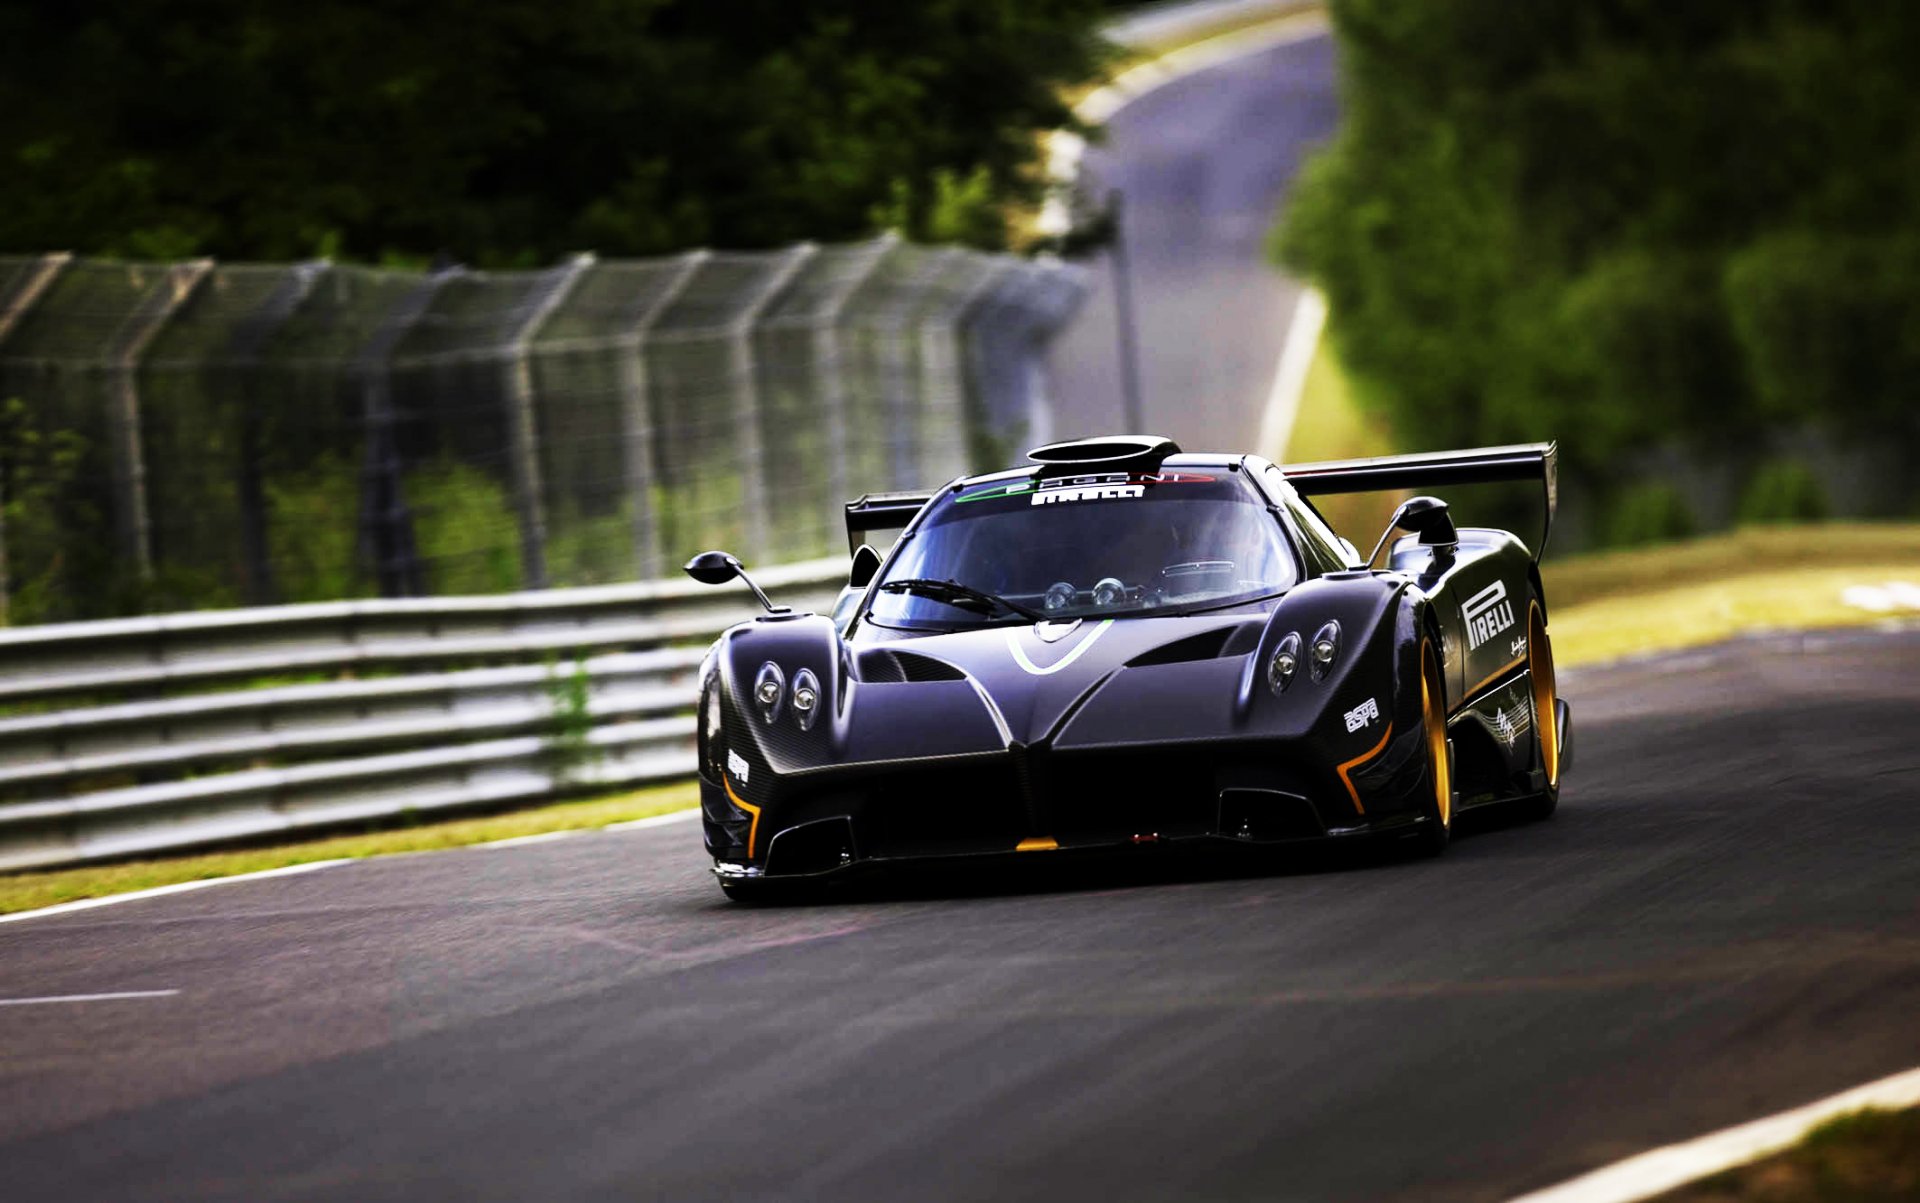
{"x":890,"y":667}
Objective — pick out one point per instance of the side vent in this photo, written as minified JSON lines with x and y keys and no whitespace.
{"x":915,"y":667}
{"x":1207,"y":645}
{"x":891,"y":668}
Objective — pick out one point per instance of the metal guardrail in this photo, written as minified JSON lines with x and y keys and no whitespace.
{"x":139,"y":735}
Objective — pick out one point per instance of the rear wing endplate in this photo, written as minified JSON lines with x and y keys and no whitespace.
{"x":881,"y":511}
{"x":1478,"y":465}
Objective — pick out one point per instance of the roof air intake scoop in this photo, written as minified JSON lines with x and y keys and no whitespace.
{"x":1107,"y":453}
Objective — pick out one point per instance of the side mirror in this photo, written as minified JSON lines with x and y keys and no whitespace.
{"x":1426,"y":517}
{"x":866,"y":562}
{"x":713,"y":568}
{"x":717,"y":568}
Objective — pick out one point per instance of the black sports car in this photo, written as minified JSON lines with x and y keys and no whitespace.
{"x":1121,"y":644}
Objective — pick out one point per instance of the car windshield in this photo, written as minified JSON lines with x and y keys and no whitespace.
{"x":1101,"y":545}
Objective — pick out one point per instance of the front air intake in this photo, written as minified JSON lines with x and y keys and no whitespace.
{"x":1113,"y":452}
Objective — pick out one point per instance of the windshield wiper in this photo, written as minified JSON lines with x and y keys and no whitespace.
{"x":962,"y":597}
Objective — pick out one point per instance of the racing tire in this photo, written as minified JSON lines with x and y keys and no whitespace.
{"x":1546,"y":698}
{"x":1436,"y":808}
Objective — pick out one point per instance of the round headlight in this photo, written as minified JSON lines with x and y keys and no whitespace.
{"x":1060,"y":595}
{"x":769,"y":690}
{"x":1285,"y":662}
{"x":1325,"y":650}
{"x":806,"y":698}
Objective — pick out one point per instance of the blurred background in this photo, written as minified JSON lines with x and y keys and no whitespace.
{"x":487,"y":296}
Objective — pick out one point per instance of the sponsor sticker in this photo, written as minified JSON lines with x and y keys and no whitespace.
{"x":1097,"y":486}
{"x":1487,"y":614}
{"x":1366,"y":712}
{"x":1090,"y":493}
{"x":737,"y":765}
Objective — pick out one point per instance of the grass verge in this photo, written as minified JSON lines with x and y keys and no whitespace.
{"x":1609,"y":604}
{"x":1871,"y":1156}
{"x":1605,"y":605}
{"x":29,"y":891}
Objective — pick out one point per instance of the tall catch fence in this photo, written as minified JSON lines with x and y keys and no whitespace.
{"x":196,"y":434}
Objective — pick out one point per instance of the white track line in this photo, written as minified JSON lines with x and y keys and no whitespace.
{"x":1290,"y":378}
{"x":87,"y":904}
{"x":544,"y":837}
{"x":83,"y":998}
{"x":1663,"y":1169}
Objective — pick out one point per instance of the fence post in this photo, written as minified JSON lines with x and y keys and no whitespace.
{"x":900,"y":383}
{"x":386,"y":525}
{"x":745,"y":377}
{"x":947,"y":415}
{"x":522,"y":433}
{"x":244,"y":352}
{"x":829,"y":373}
{"x":37,"y":280}
{"x":133,"y":524}
{"x":636,"y":422}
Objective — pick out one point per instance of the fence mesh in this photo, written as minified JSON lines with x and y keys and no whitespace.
{"x":179,"y":435}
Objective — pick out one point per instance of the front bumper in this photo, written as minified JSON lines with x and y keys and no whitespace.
{"x":1023,"y":800}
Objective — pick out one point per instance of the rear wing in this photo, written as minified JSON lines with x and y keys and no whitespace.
{"x":881,"y":511}
{"x":1478,"y":465}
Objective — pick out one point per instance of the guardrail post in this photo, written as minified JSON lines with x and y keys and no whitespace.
{"x":37,"y":279}
{"x":636,"y":420}
{"x":133,"y":525}
{"x":746,"y":410}
{"x":522,"y":432}
{"x":386,"y":525}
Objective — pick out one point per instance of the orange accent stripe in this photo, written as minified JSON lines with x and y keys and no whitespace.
{"x":1037,"y":843}
{"x":1369,"y":754}
{"x":1516,"y":662}
{"x":753,"y":828}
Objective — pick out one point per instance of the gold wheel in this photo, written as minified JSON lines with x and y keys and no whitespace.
{"x":1545,"y":709}
{"x":1434,"y":713}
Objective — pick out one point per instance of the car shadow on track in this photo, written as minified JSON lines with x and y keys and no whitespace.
{"x":1088,"y":872}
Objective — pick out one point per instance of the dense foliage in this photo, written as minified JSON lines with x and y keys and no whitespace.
{"x":508,"y":131}
{"x":1627,"y":223}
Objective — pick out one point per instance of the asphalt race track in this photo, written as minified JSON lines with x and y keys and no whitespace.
{"x":1203,"y":162}
{"x":1724,"y":920}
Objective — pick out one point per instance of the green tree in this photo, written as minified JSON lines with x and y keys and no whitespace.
{"x":508,"y":131}
{"x":1623,"y":222}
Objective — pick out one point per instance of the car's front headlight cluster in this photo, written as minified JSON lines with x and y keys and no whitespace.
{"x":772,"y":696}
{"x":1320,"y":656}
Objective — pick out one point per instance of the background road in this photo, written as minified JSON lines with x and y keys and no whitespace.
{"x":1721,"y":922}
{"x":1203,"y":162}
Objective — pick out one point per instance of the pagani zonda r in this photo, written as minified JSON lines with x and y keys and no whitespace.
{"x":1121,"y":644}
